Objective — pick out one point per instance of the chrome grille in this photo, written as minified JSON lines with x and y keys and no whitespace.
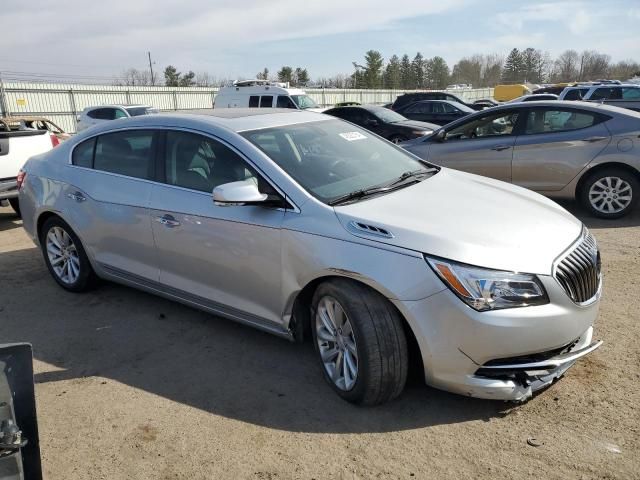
{"x":578,"y":269}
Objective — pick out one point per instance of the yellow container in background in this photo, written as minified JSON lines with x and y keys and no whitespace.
{"x":504,"y":93}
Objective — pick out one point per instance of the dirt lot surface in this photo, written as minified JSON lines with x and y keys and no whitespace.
{"x":129,"y":385}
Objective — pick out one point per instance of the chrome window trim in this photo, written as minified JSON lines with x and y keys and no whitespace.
{"x":287,"y":198}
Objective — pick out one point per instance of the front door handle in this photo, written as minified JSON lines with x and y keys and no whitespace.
{"x":77,"y":196}
{"x":168,"y":221}
{"x":594,"y":139}
{"x":499,"y":148}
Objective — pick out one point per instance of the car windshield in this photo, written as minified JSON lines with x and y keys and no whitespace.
{"x":333,"y":158}
{"x":388,"y":116}
{"x":304,"y":101}
{"x":137,"y":111}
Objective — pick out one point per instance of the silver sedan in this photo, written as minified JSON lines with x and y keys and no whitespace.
{"x":304,"y":225}
{"x":579,"y":150}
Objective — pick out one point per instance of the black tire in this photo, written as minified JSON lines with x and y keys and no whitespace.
{"x":86,"y":278}
{"x":15,"y":204}
{"x":613,"y":173}
{"x":380,"y":342}
{"x":397,"y":139}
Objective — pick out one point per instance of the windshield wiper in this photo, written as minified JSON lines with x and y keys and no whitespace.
{"x":405,"y":179}
{"x":413,"y":174}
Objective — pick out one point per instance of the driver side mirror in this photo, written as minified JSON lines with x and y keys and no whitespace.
{"x":371,"y":123}
{"x":244,"y":192}
{"x":441,"y":135}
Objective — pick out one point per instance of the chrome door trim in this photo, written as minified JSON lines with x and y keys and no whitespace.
{"x":195,"y":301}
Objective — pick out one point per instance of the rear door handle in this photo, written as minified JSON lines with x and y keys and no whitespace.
{"x":168,"y":221}
{"x":499,"y":148}
{"x":77,"y":196}
{"x":594,"y":139}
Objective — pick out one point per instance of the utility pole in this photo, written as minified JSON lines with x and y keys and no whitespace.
{"x":153,"y":82}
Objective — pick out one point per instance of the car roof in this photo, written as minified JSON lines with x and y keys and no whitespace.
{"x":593,"y":106}
{"x":119,"y":105}
{"x":234,"y":119}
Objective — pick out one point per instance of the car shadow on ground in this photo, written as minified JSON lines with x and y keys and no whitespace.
{"x":9,"y":220}
{"x":197,"y":359}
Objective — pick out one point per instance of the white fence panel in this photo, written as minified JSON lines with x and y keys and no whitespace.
{"x":62,"y":102}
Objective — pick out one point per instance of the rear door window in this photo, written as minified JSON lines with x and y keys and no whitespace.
{"x":420,"y":108}
{"x":266,"y":101}
{"x":549,"y":120}
{"x":254,"y":101}
{"x":606,"y":93}
{"x":125,"y":153}
{"x":575,"y":94}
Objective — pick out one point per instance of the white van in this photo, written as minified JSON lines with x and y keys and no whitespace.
{"x":263,"y":94}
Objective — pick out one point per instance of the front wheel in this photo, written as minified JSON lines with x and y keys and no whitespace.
{"x":360,"y":341}
{"x":15,"y":204}
{"x":610,"y":193}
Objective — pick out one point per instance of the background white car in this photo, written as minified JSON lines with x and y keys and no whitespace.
{"x":105,"y":113}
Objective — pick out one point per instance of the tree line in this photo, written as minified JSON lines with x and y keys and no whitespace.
{"x":403,"y":72}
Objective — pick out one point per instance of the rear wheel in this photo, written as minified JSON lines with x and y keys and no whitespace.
{"x":610,"y":193}
{"x":15,"y":204}
{"x":65,"y":256}
{"x":360,"y":341}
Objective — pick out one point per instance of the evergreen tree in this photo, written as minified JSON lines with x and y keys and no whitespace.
{"x":301,"y":77}
{"x":417,"y":67}
{"x":171,"y":76}
{"x":438,"y":73}
{"x":513,"y":69}
{"x":285,"y":75}
{"x":392,"y":74}
{"x":406,"y":73}
{"x":373,"y":71}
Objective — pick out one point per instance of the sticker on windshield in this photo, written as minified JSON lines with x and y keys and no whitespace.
{"x":352,"y":136}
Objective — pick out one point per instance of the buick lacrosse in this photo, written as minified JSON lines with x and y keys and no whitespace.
{"x":304,"y":225}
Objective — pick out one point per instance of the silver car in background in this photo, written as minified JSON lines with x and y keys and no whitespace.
{"x":304,"y":225}
{"x":569,"y":150}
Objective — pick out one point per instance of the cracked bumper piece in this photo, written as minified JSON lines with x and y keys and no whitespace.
{"x":503,"y":354}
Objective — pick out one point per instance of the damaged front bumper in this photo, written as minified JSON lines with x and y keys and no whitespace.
{"x":517,"y":379}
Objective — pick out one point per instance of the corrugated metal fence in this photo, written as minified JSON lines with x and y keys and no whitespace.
{"x":62,"y":102}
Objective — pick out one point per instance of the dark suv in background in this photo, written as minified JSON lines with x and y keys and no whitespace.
{"x":409,"y":98}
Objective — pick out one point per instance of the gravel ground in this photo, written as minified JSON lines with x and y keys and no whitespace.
{"x":129,"y":385}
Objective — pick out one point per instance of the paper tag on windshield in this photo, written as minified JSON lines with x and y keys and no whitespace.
{"x":352,"y":136}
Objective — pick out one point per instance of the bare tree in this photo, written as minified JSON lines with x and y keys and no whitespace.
{"x":566,"y":67}
{"x":132,"y":77}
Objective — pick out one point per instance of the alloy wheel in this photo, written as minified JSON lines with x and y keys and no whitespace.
{"x":337,"y":343}
{"x":63,"y":255}
{"x":610,"y":195}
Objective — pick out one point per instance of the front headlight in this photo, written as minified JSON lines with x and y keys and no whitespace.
{"x":484,"y":289}
{"x":422,"y":133}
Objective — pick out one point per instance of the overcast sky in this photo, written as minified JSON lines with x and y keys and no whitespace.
{"x":237,"y":39}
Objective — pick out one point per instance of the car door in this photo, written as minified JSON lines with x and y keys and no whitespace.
{"x":421,"y":111}
{"x":555,"y":144}
{"x":107,"y":197}
{"x":481,"y":145}
{"x":225,"y":258}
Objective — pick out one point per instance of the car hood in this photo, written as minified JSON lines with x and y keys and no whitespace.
{"x":414,"y":124}
{"x":470,"y":219}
